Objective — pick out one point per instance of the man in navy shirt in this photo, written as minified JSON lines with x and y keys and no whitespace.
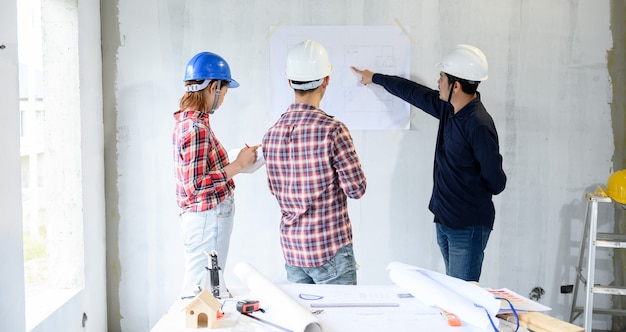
{"x":468,"y":165}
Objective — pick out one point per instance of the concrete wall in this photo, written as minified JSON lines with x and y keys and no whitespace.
{"x":549,"y":91}
{"x":617,"y":69}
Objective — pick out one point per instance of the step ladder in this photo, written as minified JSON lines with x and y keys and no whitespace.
{"x":591,"y":240}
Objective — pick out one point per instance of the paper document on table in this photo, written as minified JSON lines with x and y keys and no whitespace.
{"x":470,"y":303}
{"x":260,"y":160}
{"x":335,"y":296}
{"x":370,"y":308}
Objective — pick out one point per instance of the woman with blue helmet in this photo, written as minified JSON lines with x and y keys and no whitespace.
{"x":204,"y":184}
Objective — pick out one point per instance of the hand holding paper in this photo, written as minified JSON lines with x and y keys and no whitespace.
{"x":260,"y":161}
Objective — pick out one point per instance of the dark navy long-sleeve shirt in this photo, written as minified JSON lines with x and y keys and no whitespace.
{"x":468,"y":165}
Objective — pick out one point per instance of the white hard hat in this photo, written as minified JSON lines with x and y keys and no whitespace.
{"x":466,"y":62}
{"x":307,"y":61}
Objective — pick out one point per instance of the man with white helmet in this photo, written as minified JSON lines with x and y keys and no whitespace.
{"x":312,"y":167}
{"x":468,"y":165}
{"x":204,"y":184}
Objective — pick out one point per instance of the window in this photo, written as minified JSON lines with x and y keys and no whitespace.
{"x":50,"y":148}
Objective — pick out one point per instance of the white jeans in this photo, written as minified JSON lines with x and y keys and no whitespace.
{"x":203,"y":232}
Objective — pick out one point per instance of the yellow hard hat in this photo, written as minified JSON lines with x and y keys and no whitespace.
{"x":616,"y":186}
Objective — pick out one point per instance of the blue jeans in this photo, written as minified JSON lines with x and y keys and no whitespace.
{"x":339,"y":270}
{"x":203,"y":232}
{"x":463,"y":250}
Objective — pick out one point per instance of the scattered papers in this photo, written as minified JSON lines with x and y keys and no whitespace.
{"x":370,"y":308}
{"x":260,"y":160}
{"x":520,"y":303}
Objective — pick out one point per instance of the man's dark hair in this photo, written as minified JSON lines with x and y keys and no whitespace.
{"x":467,"y":86}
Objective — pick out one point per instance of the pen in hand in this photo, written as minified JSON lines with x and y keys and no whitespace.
{"x":254,"y":148}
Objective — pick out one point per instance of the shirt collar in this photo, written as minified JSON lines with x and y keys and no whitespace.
{"x":306,"y":108}
{"x":469,"y":108}
{"x":181,"y":115}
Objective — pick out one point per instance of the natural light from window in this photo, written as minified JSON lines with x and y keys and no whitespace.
{"x":50,"y":155}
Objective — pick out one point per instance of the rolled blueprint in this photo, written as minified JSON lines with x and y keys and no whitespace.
{"x":472,"y":304}
{"x":284,"y":310}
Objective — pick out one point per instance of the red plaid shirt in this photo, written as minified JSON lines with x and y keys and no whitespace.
{"x":199,"y":159}
{"x":312,"y":167}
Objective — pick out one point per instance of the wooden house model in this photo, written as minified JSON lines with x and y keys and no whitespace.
{"x":202,"y":311}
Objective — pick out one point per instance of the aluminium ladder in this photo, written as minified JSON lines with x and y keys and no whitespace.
{"x":591,"y":240}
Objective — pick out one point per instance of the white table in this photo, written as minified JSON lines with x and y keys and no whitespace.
{"x":371,"y":311}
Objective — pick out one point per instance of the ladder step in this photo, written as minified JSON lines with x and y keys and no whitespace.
{"x":604,"y":311}
{"x":598,"y":198}
{"x":592,"y":239}
{"x":613,"y":290}
{"x":611,"y":240}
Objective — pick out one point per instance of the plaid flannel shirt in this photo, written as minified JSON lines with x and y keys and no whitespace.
{"x":199,"y":159}
{"x":312,"y":167}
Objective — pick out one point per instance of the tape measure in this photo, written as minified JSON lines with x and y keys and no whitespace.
{"x":248,"y":306}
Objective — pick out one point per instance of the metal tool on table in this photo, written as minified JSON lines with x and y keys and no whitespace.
{"x":248,"y":307}
{"x":214,"y":280}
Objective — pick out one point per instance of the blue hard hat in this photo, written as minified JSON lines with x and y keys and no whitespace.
{"x":209,"y":66}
